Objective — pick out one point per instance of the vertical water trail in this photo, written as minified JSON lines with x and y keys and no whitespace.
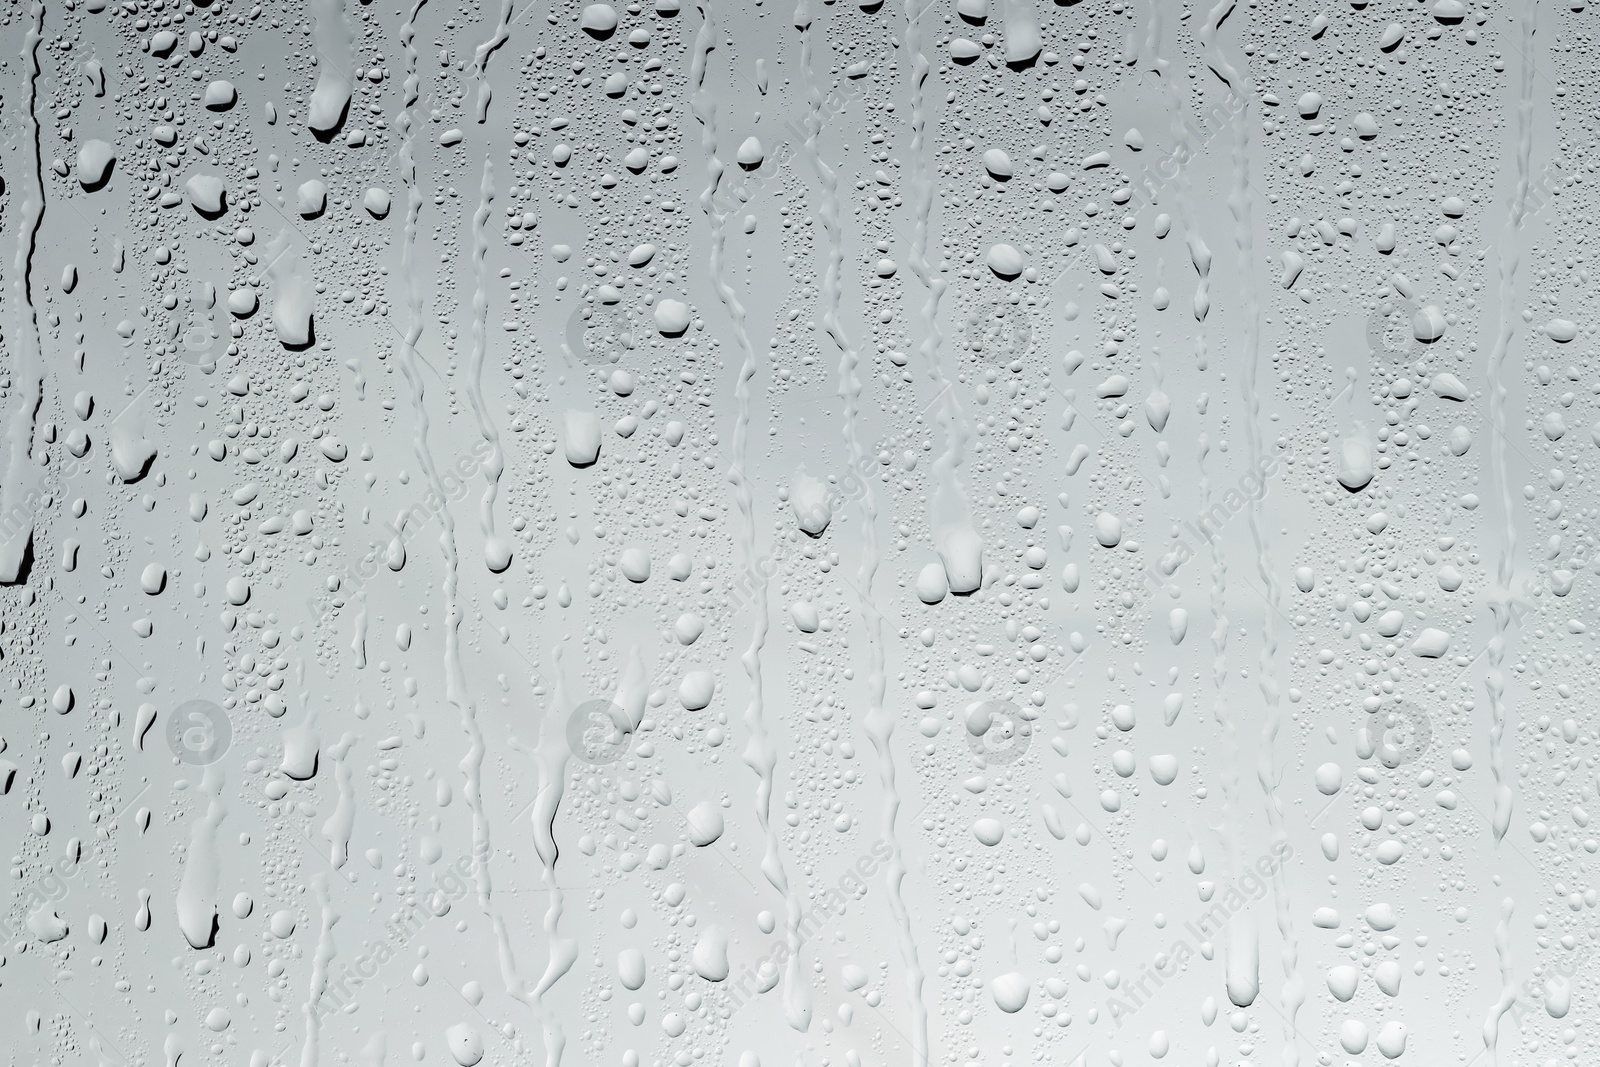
{"x":102,"y":1057}
{"x":302,"y":742}
{"x":1021,"y":29}
{"x":27,"y":362}
{"x":879,"y":721}
{"x":1495,"y":681}
{"x":1184,"y":152}
{"x":1292,"y":991}
{"x":480,"y":59}
{"x":550,"y":755}
{"x":1508,"y":991}
{"x":202,"y":865}
{"x":496,"y":549}
{"x":341,"y":823}
{"x":331,"y":31}
{"x":1510,"y":257}
{"x":330,"y":100}
{"x":760,"y":753}
{"x":1220,"y":709}
{"x":358,"y":638}
{"x":455,"y":678}
{"x":1159,"y":405}
{"x":311,"y":1050}
{"x":947,"y":510}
